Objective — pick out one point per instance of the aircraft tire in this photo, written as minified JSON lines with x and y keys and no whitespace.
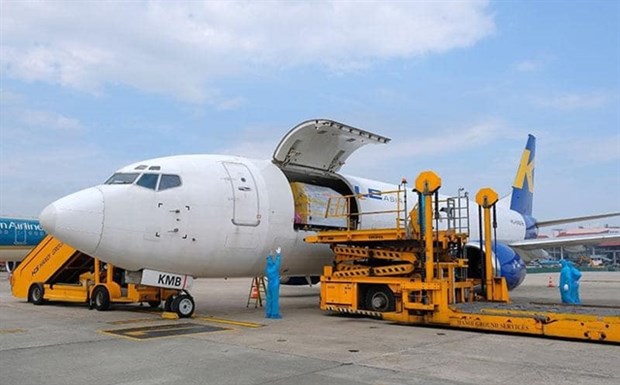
{"x":380,"y":298}
{"x":101,"y":298}
{"x":184,"y":306}
{"x":35,"y":294}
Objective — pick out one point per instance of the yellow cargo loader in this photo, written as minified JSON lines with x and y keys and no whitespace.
{"x":416,"y":274}
{"x":54,"y":271}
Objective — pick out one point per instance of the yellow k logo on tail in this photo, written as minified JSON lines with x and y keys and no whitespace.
{"x":526,"y":170}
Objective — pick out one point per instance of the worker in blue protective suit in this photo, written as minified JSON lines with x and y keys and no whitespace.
{"x":272,"y":272}
{"x":569,"y":283}
{"x":574,"y":288}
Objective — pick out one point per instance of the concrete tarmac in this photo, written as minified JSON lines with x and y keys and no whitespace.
{"x":70,"y":344}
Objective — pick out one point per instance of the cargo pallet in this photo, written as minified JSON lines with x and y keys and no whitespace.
{"x":413,"y":274}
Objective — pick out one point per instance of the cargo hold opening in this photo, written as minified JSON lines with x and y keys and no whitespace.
{"x":311,"y":194}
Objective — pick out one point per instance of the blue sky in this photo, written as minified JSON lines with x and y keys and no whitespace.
{"x":87,"y":87}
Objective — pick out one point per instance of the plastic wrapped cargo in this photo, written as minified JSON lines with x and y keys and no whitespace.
{"x":311,"y":205}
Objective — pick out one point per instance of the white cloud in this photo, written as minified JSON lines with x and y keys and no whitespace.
{"x":436,"y":149}
{"x":230,"y":104}
{"x":585,"y":150}
{"x":573,"y":101}
{"x":179,"y":48}
{"x":43,"y":156}
{"x":19,"y":121}
{"x":529,"y":65}
{"x":256,"y":141}
{"x":51,"y":121}
{"x":535,"y":63}
{"x":444,"y":143}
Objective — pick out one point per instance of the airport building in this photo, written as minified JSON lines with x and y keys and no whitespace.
{"x":605,"y":254}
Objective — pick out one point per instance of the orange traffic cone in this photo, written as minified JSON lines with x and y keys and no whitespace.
{"x":254,"y":294}
{"x":550,"y":284}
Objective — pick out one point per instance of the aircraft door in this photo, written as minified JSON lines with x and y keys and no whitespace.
{"x":20,"y":234}
{"x":244,"y":194}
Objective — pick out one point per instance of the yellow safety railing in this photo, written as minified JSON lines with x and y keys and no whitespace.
{"x":340,"y":207}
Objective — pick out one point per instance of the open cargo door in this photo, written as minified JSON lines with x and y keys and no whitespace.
{"x":321,"y":146}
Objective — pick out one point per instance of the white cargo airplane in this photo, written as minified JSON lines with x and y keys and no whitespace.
{"x":219,"y":216}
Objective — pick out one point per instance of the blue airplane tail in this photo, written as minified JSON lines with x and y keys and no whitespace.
{"x":523,"y":186}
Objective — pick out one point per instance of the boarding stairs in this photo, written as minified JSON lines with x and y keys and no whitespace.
{"x":50,"y":262}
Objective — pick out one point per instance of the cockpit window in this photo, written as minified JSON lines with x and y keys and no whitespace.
{"x":169,"y":181}
{"x":122,"y":178}
{"x":148,"y":180}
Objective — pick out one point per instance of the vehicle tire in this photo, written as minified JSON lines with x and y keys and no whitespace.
{"x":380,"y":298}
{"x":35,"y":294}
{"x":168,"y":303}
{"x":101,"y":298}
{"x":154,"y":304}
{"x":183,"y":305}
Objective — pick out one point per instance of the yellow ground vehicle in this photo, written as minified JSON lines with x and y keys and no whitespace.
{"x":415,"y":274}
{"x":54,"y":271}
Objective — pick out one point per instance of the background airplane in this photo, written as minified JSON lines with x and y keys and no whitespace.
{"x":17,"y":237}
{"x":219,"y":216}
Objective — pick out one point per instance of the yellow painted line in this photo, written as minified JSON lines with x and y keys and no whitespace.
{"x":11,"y":331}
{"x":229,"y":322}
{"x":111,"y":333}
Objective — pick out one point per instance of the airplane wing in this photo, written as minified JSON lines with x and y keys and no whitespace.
{"x":575,"y":219}
{"x":542,"y":243}
{"x":321,"y":146}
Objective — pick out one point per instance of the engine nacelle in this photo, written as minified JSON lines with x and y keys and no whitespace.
{"x":506,"y":263}
{"x":300,"y":281}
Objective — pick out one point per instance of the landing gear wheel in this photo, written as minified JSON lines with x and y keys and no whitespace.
{"x":11,"y":266}
{"x":183,"y":305}
{"x":168,"y":303}
{"x":101,"y":298}
{"x":154,"y":304}
{"x":35,"y":294}
{"x":380,"y":298}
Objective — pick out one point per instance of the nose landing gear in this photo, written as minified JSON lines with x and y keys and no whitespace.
{"x":182,"y":304}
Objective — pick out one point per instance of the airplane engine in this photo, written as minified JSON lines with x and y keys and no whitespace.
{"x":506,"y":263}
{"x":300,"y":280}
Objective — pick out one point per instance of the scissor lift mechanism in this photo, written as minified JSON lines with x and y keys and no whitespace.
{"x":415,"y":274}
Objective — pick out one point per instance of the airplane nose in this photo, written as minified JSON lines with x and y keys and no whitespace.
{"x":76,"y":219}
{"x":47,"y":218}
